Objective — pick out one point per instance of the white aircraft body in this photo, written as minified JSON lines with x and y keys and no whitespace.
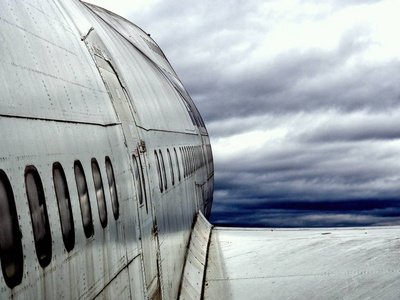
{"x":107,"y":179}
{"x":104,"y":160}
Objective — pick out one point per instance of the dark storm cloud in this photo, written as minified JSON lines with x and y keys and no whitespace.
{"x":305,"y":123}
{"x":309,"y":178}
{"x":286,"y":217}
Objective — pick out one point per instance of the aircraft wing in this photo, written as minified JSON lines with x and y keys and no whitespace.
{"x":327,"y":263}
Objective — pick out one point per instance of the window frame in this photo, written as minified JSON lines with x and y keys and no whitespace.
{"x":137,"y":179}
{"x":112,"y":186}
{"x":39,"y":217}
{"x":158,"y":167}
{"x":177,"y":165}
{"x":164,"y":174}
{"x":185,"y":161}
{"x":99,"y":191}
{"x":64,"y":206}
{"x":11,"y":256}
{"x":84,"y":204}
{"x":171,"y":167}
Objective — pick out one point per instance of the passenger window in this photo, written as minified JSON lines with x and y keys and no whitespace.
{"x":183,"y":154}
{"x":199,"y":155}
{"x":113,"y":188}
{"x":39,"y":217}
{"x":160,"y":181}
{"x":187,"y":161}
{"x":177,"y":165}
{"x":196,"y":157}
{"x":210,"y":159}
{"x":163,"y":170}
{"x":142,"y":179}
{"x":137,"y":178}
{"x":98,"y":187}
{"x":64,"y":206}
{"x":171,"y":168}
{"x":202,"y":156}
{"x":191,"y":160}
{"x":84,"y":201}
{"x":11,"y":254}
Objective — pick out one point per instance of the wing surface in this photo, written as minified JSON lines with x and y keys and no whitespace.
{"x":346,"y":263}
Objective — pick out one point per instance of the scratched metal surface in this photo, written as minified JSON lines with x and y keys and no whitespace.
{"x":150,"y":51}
{"x":350,"y":263}
{"x":56,"y":106}
{"x":196,"y":259}
{"x":146,"y":83}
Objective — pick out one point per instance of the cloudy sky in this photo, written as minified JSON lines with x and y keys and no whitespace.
{"x":301,"y":99}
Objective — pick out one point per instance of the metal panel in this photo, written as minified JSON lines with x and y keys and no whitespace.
{"x":193,"y":273}
{"x":146,"y":83}
{"x":32,"y":63}
{"x":55,"y":107}
{"x":123,"y":110}
{"x":92,"y":262}
{"x":140,"y":39}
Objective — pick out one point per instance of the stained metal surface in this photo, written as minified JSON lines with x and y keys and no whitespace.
{"x":354,"y":263}
{"x":143,"y":78}
{"x":63,"y":101}
{"x":193,"y":272}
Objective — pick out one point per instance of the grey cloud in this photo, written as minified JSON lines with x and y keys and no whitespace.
{"x":200,"y":39}
{"x":286,"y":86}
{"x":368,"y":127}
{"x":340,"y":112}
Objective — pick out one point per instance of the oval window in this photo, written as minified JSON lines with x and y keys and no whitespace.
{"x":177,"y":165}
{"x":137,"y":178}
{"x":142,"y":180}
{"x":185,"y":152}
{"x":163,"y":170}
{"x":189,"y":159}
{"x":202,"y":156}
{"x":64,"y":206}
{"x":11,"y":254}
{"x":98,"y":187}
{"x":183,"y":157}
{"x":171,"y":168}
{"x":113,"y":188}
{"x":198,"y":157}
{"x":160,"y":180}
{"x":191,"y":162}
{"x":193,"y":154}
{"x":84,"y":201}
{"x":39,"y":217}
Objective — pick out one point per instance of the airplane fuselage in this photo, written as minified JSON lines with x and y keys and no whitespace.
{"x":105,"y":160}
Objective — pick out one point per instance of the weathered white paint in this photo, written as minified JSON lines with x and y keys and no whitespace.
{"x":349,"y":263}
{"x":55,"y":106}
{"x":196,"y":259}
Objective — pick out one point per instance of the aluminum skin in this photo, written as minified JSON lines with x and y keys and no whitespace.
{"x":83,"y":86}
